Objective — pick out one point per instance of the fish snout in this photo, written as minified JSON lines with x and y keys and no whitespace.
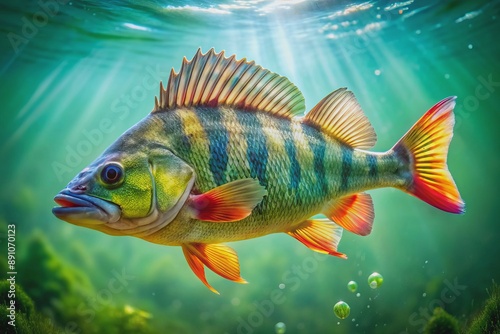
{"x":77,"y":208}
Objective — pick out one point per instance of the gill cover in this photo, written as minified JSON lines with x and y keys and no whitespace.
{"x":154,"y":181}
{"x":172,"y":181}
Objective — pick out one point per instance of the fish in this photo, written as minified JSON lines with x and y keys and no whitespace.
{"x":228,"y":153}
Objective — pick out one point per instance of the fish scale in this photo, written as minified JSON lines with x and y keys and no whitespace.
{"x":227,"y":154}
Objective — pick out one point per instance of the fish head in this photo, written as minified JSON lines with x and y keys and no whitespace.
{"x":127,"y":192}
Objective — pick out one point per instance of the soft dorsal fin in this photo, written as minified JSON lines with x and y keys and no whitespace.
{"x":212,"y":80}
{"x":339,"y":114}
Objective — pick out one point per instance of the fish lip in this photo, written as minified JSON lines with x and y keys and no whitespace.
{"x":84,"y":209}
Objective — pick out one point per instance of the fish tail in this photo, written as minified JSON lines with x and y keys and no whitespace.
{"x":424,"y":149}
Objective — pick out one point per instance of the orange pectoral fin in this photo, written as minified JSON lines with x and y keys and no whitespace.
{"x":320,"y":235}
{"x":354,"y":213}
{"x":221,"y":259}
{"x":230,"y":202}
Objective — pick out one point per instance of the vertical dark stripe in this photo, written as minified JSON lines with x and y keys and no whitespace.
{"x":318,"y":147}
{"x":257,"y":154}
{"x":346,"y":167}
{"x":218,"y":138}
{"x":294,"y":164}
{"x":372,"y":165}
{"x":181,"y":144}
{"x":294,"y":171}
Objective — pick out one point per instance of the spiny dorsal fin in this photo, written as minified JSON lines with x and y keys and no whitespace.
{"x":213,"y":80}
{"x":339,"y":114}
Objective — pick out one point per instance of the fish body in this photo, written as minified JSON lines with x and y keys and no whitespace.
{"x":227,"y":155}
{"x":297,"y":164}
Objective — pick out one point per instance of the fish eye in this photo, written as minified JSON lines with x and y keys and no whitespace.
{"x":112,"y":173}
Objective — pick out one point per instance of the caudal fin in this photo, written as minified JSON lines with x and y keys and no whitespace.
{"x":425,"y":148}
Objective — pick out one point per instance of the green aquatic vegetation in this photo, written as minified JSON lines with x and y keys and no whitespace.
{"x":47,"y":276}
{"x":23,"y":302}
{"x":441,"y":323}
{"x":113,"y":320}
{"x":27,"y":320}
{"x":35,"y":324}
{"x":64,"y":292}
{"x":488,"y":320}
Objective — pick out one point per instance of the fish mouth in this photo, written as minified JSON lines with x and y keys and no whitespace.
{"x":81,"y":209}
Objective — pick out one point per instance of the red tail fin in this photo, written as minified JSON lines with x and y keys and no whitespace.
{"x":425,"y":145}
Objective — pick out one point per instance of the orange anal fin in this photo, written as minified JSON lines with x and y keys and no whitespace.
{"x":230,"y":202}
{"x":221,"y":259}
{"x":320,"y":235}
{"x":353,"y":212}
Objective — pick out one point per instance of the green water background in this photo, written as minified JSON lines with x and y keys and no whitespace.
{"x":89,"y":70}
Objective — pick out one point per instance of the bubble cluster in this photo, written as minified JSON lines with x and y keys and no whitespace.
{"x":341,"y":310}
{"x":280,"y":328}
{"x":375,"y":280}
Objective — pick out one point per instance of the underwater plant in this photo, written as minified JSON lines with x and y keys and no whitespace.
{"x":64,"y":294}
{"x":441,"y":323}
{"x":488,"y":320}
{"x":26,"y":319}
{"x":47,"y":277}
{"x":23,"y":302}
